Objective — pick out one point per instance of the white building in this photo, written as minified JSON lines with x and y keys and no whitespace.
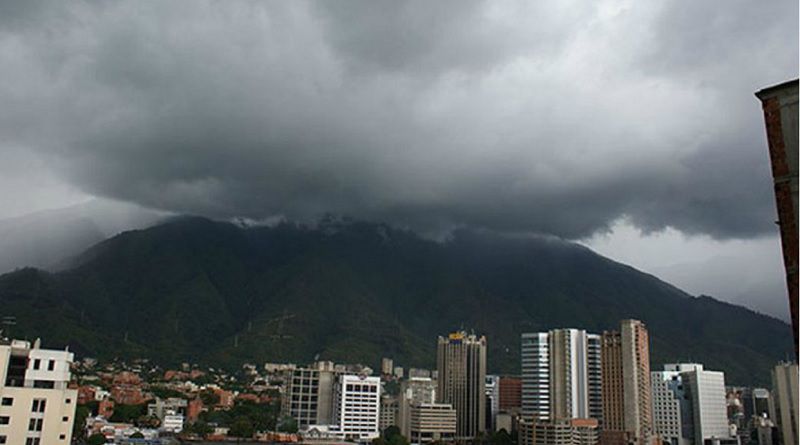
{"x":561,"y":375}
{"x":357,"y":407}
{"x":706,"y":391}
{"x":173,"y":422}
{"x":672,"y":410}
{"x":36,"y":407}
{"x":492,"y":388}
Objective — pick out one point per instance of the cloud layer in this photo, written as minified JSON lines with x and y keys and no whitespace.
{"x":557,"y":117}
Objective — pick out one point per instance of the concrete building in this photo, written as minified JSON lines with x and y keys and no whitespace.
{"x":389,"y":412}
{"x":160,"y":407}
{"x":706,"y":390}
{"x":560,"y":432}
{"x":431,"y":422}
{"x":510,"y":389}
{"x":492,"y":388}
{"x":308,"y":394}
{"x":779,"y":103}
{"x":36,"y":406}
{"x":672,"y":410}
{"x":414,"y":391}
{"x":461,"y":366}
{"x":784,"y":390}
{"x":358,"y":401}
{"x":387,"y":366}
{"x":561,"y":375}
{"x":172,"y":422}
{"x":627,"y":409}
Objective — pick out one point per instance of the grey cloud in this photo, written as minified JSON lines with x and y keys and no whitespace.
{"x":496,"y":115}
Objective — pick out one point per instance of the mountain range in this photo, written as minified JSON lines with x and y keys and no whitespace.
{"x":192,"y":289}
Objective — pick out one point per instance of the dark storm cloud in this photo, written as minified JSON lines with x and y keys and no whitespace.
{"x":556,"y":117}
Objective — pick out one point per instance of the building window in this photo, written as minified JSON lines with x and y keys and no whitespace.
{"x":65,"y":419}
{"x":68,"y":401}
{"x":38,"y":406}
{"x":7,"y":401}
{"x":4,"y":420}
{"x":62,"y":436}
{"x":51,"y":365}
{"x":37,"y":364}
{"x":2,"y":439}
{"x":32,"y":441}
{"x":35,"y":424}
{"x":48,"y":384}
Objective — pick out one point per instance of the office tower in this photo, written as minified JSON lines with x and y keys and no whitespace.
{"x":308,"y":394}
{"x":431,"y":422}
{"x":627,"y":416}
{"x":706,"y":391}
{"x":414,"y":391}
{"x":784,"y":390}
{"x":561,"y":375}
{"x":357,"y":404}
{"x":779,"y":103}
{"x":36,"y":406}
{"x":461,"y":366}
{"x":387,"y":366}
{"x":510,"y":394}
{"x":492,"y":388}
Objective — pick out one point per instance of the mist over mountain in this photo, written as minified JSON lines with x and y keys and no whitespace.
{"x":48,"y":239}
{"x":197,"y":290}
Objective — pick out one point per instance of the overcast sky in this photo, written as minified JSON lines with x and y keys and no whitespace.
{"x":628,"y":125}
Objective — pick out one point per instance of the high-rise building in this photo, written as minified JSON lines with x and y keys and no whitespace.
{"x":784,"y":390}
{"x":510,"y":389}
{"x":461,"y":366}
{"x":779,"y":103}
{"x":387,"y":366}
{"x":431,"y":422}
{"x":36,"y":405}
{"x":689,"y":405}
{"x":492,"y":388}
{"x":561,"y":375}
{"x":357,"y":404}
{"x":414,"y":391}
{"x":308,"y":394}
{"x":627,"y":416}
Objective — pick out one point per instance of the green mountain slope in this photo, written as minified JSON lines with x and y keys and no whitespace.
{"x":198,"y":290}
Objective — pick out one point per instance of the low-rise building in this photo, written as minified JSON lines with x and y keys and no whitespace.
{"x":431,"y":422}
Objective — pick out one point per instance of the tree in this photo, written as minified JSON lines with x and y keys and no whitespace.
{"x":242,"y":427}
{"x":200,"y":428}
{"x":96,"y":439}
{"x":501,"y":438}
{"x":287,"y":424}
{"x":209,"y":398}
{"x":81,"y":414}
{"x":392,"y":436}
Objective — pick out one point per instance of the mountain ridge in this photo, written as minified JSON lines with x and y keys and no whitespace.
{"x":200,"y":290}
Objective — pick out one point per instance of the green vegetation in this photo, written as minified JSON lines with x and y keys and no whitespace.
{"x":96,"y":439}
{"x":200,"y":291}
{"x":245,"y":417}
{"x":128,"y":413}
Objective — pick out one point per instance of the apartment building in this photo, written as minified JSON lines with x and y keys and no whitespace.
{"x":36,"y":405}
{"x":357,"y":404}
{"x":432,"y":422}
